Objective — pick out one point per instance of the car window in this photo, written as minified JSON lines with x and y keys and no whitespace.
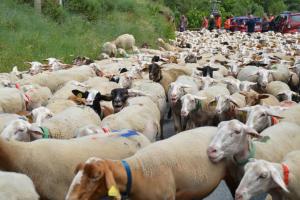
{"x":296,"y":18}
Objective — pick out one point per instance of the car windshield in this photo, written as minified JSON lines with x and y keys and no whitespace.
{"x":296,"y":18}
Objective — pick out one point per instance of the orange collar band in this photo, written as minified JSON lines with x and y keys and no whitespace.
{"x":286,"y":172}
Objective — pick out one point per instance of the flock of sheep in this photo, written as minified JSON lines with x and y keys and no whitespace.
{"x":233,"y":98}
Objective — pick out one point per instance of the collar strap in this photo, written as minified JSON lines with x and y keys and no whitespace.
{"x":129,"y":178}
{"x":198,"y":105}
{"x":252,"y":151}
{"x":274,"y":120}
{"x":45,"y":133}
{"x":286,"y":172}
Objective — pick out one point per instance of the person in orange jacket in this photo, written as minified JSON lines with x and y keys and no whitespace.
{"x":218,"y":21}
{"x":227,"y":23}
{"x":205,"y":23}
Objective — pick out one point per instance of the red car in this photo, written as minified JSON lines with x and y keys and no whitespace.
{"x":239,"y":24}
{"x":290,"y":23}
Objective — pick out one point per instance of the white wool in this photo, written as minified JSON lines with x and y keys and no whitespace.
{"x":15,"y":186}
{"x":5,"y":118}
{"x":12,"y":100}
{"x":64,"y":124}
{"x":60,"y":105}
{"x":184,"y":153}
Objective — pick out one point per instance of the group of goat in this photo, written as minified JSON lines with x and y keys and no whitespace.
{"x":233,"y":98}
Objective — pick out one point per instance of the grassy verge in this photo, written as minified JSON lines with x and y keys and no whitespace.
{"x":27,"y":36}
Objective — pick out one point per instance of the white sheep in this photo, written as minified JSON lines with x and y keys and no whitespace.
{"x":278,"y":179}
{"x":12,"y":100}
{"x":56,"y":79}
{"x":52,"y":181}
{"x":61,"y":126}
{"x":233,"y":142}
{"x":147,"y":122}
{"x":15,"y":186}
{"x":280,"y":90}
{"x":183,"y":85}
{"x":167,"y":169}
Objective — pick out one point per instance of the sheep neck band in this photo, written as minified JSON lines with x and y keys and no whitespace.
{"x":286,"y":172}
{"x":198,"y":105}
{"x":129,"y":178}
{"x":45,"y":132}
{"x":251,"y":154}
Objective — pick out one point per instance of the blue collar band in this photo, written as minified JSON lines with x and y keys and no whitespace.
{"x":129,"y":133}
{"x":129,"y":178}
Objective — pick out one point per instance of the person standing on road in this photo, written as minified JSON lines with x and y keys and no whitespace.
{"x":218,"y":21}
{"x":251,"y":24}
{"x":205,"y":23}
{"x":227,"y":23}
{"x":183,"y":23}
{"x":211,"y":23}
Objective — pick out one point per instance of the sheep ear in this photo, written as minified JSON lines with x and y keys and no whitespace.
{"x":274,"y":114}
{"x":134,"y":93}
{"x":263,"y":96}
{"x":200,"y":98}
{"x":278,"y":180}
{"x":106,"y":97}
{"x":244,"y":93}
{"x":200,"y":69}
{"x":35,"y":128}
{"x":245,"y":109}
{"x":251,"y":132}
{"x":233,"y":101}
{"x":80,"y":94}
{"x":215,"y":69}
{"x":185,"y":86}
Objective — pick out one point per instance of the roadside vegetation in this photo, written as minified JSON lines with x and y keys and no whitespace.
{"x":79,"y":28}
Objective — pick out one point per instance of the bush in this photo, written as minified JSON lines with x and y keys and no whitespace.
{"x":53,"y":10}
{"x":195,"y":18}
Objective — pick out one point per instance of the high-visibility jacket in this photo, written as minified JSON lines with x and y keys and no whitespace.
{"x":227,"y":24}
{"x":218,"y":22}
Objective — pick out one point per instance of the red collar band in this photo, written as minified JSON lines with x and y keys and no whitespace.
{"x":286,"y":172}
{"x":274,"y":120}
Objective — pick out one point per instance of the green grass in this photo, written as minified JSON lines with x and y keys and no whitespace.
{"x":27,"y":36}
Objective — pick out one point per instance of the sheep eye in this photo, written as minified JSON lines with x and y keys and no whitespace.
{"x":262,"y":176}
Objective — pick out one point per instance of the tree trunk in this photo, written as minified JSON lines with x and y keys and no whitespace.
{"x":38,"y":5}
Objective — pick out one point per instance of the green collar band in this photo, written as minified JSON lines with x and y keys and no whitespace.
{"x":252,"y":150}
{"x":198,"y":105}
{"x":45,"y":133}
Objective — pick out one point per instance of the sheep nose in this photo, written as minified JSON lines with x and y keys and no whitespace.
{"x":238,"y":196}
{"x":184,"y":113}
{"x":211,"y":150}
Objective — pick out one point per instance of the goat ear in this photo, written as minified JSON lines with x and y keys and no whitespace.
{"x":263,"y":96}
{"x":106,"y":97}
{"x":78,"y":167}
{"x":278,"y":180}
{"x":93,"y":172}
{"x":111,"y":184}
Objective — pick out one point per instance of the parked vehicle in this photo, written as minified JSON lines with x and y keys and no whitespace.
{"x":239,"y":24}
{"x":287,"y":22}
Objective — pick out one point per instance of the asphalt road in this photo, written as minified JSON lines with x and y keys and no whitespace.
{"x":222,"y":192}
